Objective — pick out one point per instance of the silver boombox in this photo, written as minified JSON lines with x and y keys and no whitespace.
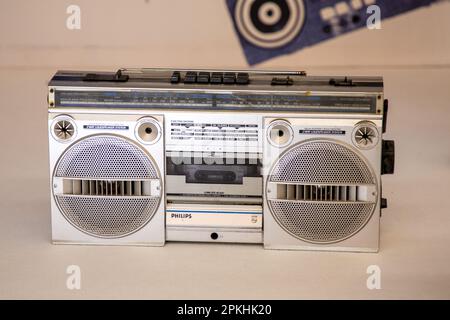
{"x":144,"y":156}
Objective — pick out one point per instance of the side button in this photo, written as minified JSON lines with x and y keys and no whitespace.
{"x":385,"y":114}
{"x":384,"y":203}
{"x":388,"y":157}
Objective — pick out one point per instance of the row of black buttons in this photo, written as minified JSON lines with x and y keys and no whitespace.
{"x":241,"y":78}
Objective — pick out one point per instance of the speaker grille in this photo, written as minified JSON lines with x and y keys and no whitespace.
{"x":325,"y":165}
{"x":106,"y":157}
{"x":108,"y":217}
{"x":321,"y":162}
{"x":321,"y":222}
{"x":106,"y":162}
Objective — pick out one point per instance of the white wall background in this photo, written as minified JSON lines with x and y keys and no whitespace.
{"x":198,"y":33}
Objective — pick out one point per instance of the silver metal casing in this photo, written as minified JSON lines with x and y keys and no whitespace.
{"x":107,"y":185}
{"x":283,"y":159}
{"x":322,"y":190}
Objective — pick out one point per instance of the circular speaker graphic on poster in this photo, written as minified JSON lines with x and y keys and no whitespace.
{"x":269,"y":24}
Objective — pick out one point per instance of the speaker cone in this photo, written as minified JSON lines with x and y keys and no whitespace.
{"x":148,"y":130}
{"x":63,"y":128}
{"x":365,"y":135}
{"x":280,"y":133}
{"x":321,"y":193}
{"x":104,"y":181}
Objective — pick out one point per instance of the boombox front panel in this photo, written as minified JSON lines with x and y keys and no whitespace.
{"x":321,"y":188}
{"x":107,"y":186}
{"x":144,"y":156}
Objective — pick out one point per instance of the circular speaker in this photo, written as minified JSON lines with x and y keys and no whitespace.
{"x":269,"y":24}
{"x":63,"y":128}
{"x":280,"y":133}
{"x":321,"y":162}
{"x":365,"y":135}
{"x":106,"y":158}
{"x":148,"y":130}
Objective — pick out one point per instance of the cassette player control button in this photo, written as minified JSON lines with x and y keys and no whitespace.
{"x":216,"y":77}
{"x":190,"y":77}
{"x":203,"y":77}
{"x":176,"y":77}
{"x":229,"y":78}
{"x":242,"y":78}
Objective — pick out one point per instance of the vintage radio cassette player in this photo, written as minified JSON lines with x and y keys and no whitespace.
{"x":145,"y":156}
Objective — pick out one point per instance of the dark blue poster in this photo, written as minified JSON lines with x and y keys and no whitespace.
{"x":269,"y":28}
